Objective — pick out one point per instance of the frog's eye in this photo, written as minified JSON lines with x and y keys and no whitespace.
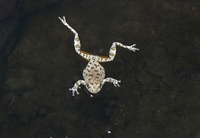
{"x":88,"y":86}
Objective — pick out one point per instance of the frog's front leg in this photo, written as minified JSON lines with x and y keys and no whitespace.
{"x":111,"y":80}
{"x":76,"y":86}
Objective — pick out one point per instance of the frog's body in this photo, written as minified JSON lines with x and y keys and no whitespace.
{"x":94,"y":73}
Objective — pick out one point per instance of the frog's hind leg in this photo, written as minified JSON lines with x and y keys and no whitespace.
{"x":77,"y":43}
{"x":113,"y":51}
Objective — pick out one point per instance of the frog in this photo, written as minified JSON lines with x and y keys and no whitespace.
{"x":94,"y":72}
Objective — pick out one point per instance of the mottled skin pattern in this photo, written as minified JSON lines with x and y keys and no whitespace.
{"x":94,"y":73}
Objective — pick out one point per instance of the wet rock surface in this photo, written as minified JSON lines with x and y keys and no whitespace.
{"x":6,"y":7}
{"x":159,"y":93}
{"x":9,"y":29}
{"x":2,"y":74}
{"x":10,"y":12}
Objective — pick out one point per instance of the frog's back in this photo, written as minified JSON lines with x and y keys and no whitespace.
{"x":93,"y":75}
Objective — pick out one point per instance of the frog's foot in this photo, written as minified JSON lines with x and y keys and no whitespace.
{"x":113,"y":81}
{"x":63,"y":20}
{"x":132,"y":47}
{"x":76,"y":86}
{"x":116,"y":83}
{"x":74,"y":89}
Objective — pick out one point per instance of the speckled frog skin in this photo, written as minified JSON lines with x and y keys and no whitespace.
{"x":94,"y":73}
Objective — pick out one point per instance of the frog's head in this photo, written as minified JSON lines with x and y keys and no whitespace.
{"x":93,"y":87}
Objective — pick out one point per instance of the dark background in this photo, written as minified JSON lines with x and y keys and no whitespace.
{"x":159,"y":96}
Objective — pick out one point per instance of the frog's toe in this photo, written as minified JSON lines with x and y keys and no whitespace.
{"x":116,"y":83}
{"x":73,"y":91}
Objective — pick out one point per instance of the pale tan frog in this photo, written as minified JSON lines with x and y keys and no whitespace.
{"x":94,"y":73}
